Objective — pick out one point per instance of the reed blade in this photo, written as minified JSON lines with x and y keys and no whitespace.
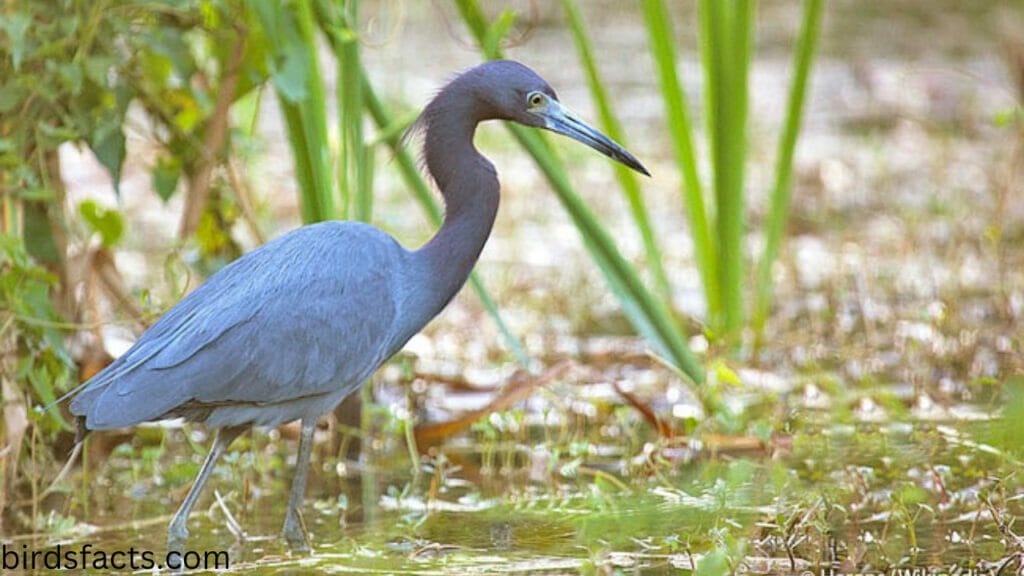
{"x":778,"y":212}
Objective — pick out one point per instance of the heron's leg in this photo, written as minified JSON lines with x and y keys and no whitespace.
{"x":293,"y":530}
{"x":177,"y":532}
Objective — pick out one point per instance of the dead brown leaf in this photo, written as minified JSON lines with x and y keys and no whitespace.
{"x":519,"y":387}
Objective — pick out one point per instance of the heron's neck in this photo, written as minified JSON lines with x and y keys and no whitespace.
{"x":469,"y":185}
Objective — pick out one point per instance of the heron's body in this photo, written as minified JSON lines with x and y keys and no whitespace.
{"x":287,"y":331}
{"x":283,"y":333}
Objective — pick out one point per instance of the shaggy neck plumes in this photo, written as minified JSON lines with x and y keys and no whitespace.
{"x":469,"y":185}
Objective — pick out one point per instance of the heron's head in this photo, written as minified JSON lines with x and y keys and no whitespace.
{"x":508,"y":90}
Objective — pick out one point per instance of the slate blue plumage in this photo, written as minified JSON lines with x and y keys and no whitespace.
{"x":287,"y":331}
{"x":269,"y":339}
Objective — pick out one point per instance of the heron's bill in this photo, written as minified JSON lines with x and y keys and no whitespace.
{"x":560,"y":119}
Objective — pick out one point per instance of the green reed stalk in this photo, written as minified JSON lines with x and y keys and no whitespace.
{"x":628,"y":180}
{"x":659,"y":31}
{"x":355,"y":169}
{"x":300,"y":90}
{"x":726,"y":39}
{"x":778,"y":214}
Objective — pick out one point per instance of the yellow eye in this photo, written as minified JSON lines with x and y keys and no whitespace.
{"x":535,"y":98}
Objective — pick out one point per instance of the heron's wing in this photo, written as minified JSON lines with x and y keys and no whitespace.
{"x":302,"y":316}
{"x":328,"y":335}
{"x":195,"y":321}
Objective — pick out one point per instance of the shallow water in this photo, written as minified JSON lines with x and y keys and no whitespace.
{"x":828,"y":494}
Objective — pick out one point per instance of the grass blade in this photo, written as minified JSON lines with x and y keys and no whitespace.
{"x":803,"y":59}
{"x":295,"y":73}
{"x":339,"y":21}
{"x":648,"y":314}
{"x":610,"y":124}
{"x":663,"y":50}
{"x":731,"y":220}
{"x":726,"y":40}
{"x":355,"y":164}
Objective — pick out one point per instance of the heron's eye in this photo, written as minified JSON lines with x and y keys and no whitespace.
{"x":535,"y":99}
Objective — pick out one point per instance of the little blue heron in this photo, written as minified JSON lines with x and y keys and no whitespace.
{"x":287,"y":331}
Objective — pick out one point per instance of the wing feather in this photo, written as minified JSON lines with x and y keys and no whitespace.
{"x":307,"y":314}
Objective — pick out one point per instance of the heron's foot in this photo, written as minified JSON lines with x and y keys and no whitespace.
{"x":295,"y":533}
{"x":177,"y":535}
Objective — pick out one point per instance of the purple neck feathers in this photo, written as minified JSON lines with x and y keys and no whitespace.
{"x":469,"y":185}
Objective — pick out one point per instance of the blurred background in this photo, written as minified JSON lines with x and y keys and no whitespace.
{"x":805,"y":327}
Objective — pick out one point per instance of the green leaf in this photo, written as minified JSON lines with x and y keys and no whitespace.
{"x":662,"y":40}
{"x":38,"y":235}
{"x":56,"y":134}
{"x":166,"y":174}
{"x":97,"y":69}
{"x":37,"y":194}
{"x":107,"y":143}
{"x":156,"y":67}
{"x":16,"y":25}
{"x":71,"y":77}
{"x":292,"y":40}
{"x":108,"y":223}
{"x":172,"y":47}
{"x":727,"y":375}
{"x":246,"y":110}
{"x":189,"y":114}
{"x":714,"y":564}
{"x":628,"y":181}
{"x":291,"y":76}
{"x":498,"y":30}
{"x":778,"y":213}
{"x":11,"y":95}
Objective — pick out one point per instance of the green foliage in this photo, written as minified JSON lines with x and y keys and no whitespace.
{"x":628,"y":179}
{"x":355,"y":159}
{"x":69,"y":69}
{"x":659,"y":31}
{"x":213,"y":233}
{"x":61,"y":79}
{"x":726,"y":34}
{"x":107,"y":223}
{"x":284,"y":34}
{"x":803,"y":58}
{"x":28,"y":320}
{"x":72,"y":78}
{"x":727,"y":30}
{"x":715,"y":563}
{"x":166,"y":174}
{"x":1005,"y":433}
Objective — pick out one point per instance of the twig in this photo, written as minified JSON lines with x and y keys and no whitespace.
{"x":233,"y":526}
{"x":101,"y":262}
{"x":665,"y":429}
{"x":64,"y":470}
{"x":244,"y":196}
{"x":199,"y":191}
